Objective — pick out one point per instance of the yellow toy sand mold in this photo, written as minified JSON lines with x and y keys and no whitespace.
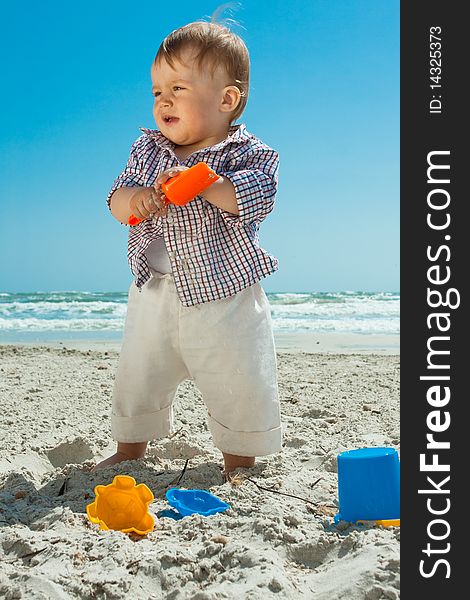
{"x":122,"y":505}
{"x":382,"y":522}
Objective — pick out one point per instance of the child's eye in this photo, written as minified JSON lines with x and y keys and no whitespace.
{"x":176,"y":88}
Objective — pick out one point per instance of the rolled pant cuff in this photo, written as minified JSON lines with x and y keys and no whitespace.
{"x":142,"y":428}
{"x":245,"y":443}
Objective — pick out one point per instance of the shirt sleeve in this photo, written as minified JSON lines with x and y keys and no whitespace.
{"x":132,"y":174}
{"x":255,"y":183}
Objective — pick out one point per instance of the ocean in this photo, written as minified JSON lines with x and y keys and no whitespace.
{"x":40,"y":316}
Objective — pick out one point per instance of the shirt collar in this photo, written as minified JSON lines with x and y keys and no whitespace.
{"x":237,"y":134}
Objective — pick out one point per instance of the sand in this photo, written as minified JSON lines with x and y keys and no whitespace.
{"x":55,"y":425}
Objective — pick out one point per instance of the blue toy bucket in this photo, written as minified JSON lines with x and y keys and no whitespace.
{"x":368,"y":485}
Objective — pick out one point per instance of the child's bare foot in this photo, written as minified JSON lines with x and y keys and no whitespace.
{"x":112,"y":460}
{"x":232,"y":462}
{"x":124,"y":452}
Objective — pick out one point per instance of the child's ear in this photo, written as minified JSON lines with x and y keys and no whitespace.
{"x":231,"y":97}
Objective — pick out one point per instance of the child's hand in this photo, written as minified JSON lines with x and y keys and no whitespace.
{"x":148,"y":202}
{"x":171,"y":172}
{"x":166,"y":175}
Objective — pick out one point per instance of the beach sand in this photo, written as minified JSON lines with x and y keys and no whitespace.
{"x":55,"y":424}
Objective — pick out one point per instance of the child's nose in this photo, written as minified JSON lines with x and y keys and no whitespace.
{"x":165,"y":99}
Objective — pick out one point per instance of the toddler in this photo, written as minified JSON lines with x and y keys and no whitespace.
{"x":196,"y":309}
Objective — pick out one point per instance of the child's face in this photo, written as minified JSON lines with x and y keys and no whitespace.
{"x":190,"y":106}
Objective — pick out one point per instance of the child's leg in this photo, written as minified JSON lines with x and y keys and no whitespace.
{"x":228,"y":346}
{"x":124,"y":452}
{"x":232,"y":461}
{"x":149,"y":370}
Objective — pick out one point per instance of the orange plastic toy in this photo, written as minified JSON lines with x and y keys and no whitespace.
{"x":122,"y":505}
{"x":182,"y":188}
{"x":383,"y":522}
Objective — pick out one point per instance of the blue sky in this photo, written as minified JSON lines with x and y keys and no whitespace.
{"x":324,"y":93}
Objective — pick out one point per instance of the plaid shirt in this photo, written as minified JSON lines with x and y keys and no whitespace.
{"x":213,"y":253}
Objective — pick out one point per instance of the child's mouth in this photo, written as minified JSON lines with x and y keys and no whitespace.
{"x":170,"y":120}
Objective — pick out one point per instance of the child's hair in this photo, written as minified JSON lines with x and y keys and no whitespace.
{"x":215,"y":45}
